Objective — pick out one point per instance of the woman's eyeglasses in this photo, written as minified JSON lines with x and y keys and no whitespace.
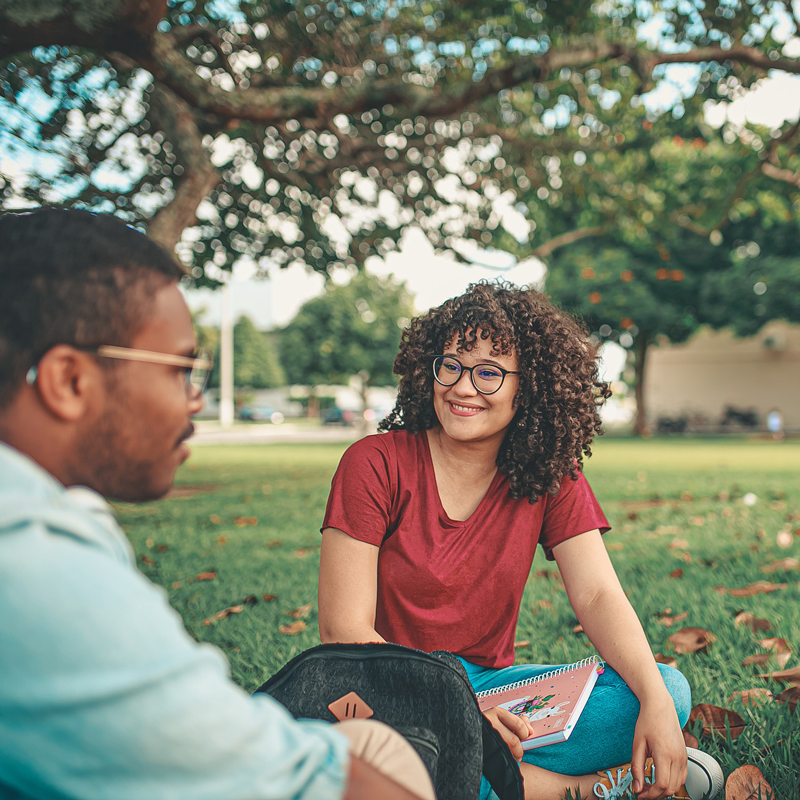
{"x":486,"y":378}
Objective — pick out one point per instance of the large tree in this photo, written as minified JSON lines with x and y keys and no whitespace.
{"x":317,"y":131}
{"x":636,"y":295}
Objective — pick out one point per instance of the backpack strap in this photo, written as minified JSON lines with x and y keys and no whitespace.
{"x":499,"y":766}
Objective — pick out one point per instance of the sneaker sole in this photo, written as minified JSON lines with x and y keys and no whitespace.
{"x":705,"y":781}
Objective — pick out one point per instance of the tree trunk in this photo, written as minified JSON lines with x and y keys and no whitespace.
{"x":643,"y":342}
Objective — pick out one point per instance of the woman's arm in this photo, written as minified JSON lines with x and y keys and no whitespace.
{"x":348,"y":589}
{"x":612,"y":626}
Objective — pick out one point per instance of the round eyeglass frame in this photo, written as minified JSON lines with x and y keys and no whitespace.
{"x":437,"y":362}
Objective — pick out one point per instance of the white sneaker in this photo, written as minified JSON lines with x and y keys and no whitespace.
{"x":704,"y":780}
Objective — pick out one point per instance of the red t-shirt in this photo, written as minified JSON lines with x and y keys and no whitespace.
{"x":447,"y":584}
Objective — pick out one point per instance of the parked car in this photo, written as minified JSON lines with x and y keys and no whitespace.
{"x":338,"y":416}
{"x":260,"y":414}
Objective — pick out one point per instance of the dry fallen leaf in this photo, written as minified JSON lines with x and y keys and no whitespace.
{"x":755,"y":623}
{"x":293,"y":628}
{"x":614,"y":546}
{"x":176,"y":585}
{"x":206,"y":576}
{"x":301,"y":552}
{"x":779,"y":648}
{"x":544,"y":604}
{"x":759,"y":587}
{"x":676,"y":573}
{"x":784,"y":564}
{"x":222,"y":539}
{"x":748,"y":783}
{"x":268,"y":598}
{"x":758,"y":660}
{"x":578,"y":629}
{"x":250,"y":600}
{"x":149,"y":561}
{"x":678,"y":544}
{"x":691,"y":640}
{"x":300,"y":613}
{"x":214,"y":519}
{"x":523,"y":643}
{"x":668,"y":660}
{"x":752,"y":697}
{"x":690,"y":740}
{"x":241,"y":522}
{"x":668,"y":621}
{"x":791,"y":676}
{"x":790,"y":697}
{"x":716,"y":720}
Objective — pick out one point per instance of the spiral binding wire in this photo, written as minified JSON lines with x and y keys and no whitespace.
{"x":544,"y":676}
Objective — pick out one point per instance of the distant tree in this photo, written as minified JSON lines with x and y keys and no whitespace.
{"x":256,"y":364}
{"x":634,"y":295}
{"x":350,"y":330}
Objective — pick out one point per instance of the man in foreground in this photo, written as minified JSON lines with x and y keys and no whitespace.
{"x":102,"y":692}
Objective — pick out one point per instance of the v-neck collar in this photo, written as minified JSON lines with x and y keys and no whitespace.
{"x":443,"y":515}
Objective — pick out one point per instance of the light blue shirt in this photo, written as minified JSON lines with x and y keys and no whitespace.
{"x":103,"y":694}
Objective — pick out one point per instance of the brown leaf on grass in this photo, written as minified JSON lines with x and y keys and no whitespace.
{"x":699,"y":521}
{"x":292,"y":629}
{"x":753,"y":622}
{"x":687,"y":557}
{"x":778,"y":648}
{"x":790,"y":697}
{"x":759,"y":587}
{"x":222,"y":539}
{"x":214,"y":519}
{"x":300,"y":613}
{"x":268,"y":598}
{"x":523,"y":643}
{"x":301,"y":552}
{"x":691,"y":640}
{"x":783,"y":564}
{"x":791,"y":676}
{"x":578,"y":629}
{"x":162,"y":548}
{"x":225,"y":613}
{"x":758,"y":660}
{"x":676,"y":573}
{"x":149,"y":561}
{"x":678,"y":544}
{"x":690,"y":740}
{"x":668,"y":660}
{"x":614,"y":546}
{"x":752,"y":697}
{"x":250,"y":600}
{"x":206,"y":576}
{"x":176,"y":585}
{"x":748,"y":783}
{"x":686,"y":497}
{"x":274,"y":543}
{"x":544,"y":604}
{"x":669,"y":621}
{"x":241,"y":522}
{"x":716,"y":720}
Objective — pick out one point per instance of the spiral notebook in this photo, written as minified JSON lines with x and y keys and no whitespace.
{"x":551,"y":702}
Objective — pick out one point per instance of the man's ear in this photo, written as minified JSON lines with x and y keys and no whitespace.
{"x":69,"y":382}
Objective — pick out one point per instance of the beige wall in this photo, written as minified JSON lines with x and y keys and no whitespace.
{"x":714,"y":369}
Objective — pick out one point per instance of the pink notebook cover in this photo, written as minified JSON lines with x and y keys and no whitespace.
{"x":551,"y":702}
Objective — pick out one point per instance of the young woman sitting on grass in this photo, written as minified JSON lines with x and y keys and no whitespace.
{"x":431,"y":528}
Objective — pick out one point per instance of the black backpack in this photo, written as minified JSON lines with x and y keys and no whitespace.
{"x":425,"y":697}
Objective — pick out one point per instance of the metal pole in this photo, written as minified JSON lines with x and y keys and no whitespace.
{"x":226,"y":356}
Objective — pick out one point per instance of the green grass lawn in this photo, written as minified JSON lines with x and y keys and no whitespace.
{"x":251,"y":515}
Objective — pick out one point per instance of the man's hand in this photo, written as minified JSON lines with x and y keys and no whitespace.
{"x":366,"y":783}
{"x":512,"y":728}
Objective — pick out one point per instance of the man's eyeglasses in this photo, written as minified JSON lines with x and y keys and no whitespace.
{"x":197,"y":366}
{"x":486,"y":378}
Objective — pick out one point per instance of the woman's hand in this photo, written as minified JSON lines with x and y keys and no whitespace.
{"x":658,"y":735}
{"x":513,"y":729}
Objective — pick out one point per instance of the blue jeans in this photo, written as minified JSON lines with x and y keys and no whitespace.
{"x":603,"y":735}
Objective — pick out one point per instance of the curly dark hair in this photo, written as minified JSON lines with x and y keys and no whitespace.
{"x":559,"y":389}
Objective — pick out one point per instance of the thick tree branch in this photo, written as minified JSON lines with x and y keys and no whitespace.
{"x":785,"y":175}
{"x":173,"y":116}
{"x":546,"y":249}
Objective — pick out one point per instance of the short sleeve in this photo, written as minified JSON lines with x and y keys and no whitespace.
{"x":572,"y":511}
{"x":361,"y":497}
